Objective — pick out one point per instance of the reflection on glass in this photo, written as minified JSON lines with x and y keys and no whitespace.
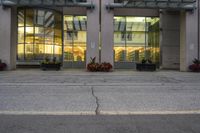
{"x":75,"y":36}
{"x":153,"y":49}
{"x":29,"y":17}
{"x":134,"y":54}
{"x":20,"y":18}
{"x":120,"y":53}
{"x":68,"y":53}
{"x":21,"y":35}
{"x":20,"y":51}
{"x":79,"y":53}
{"x":42,"y":34}
{"x":29,"y":51}
{"x":136,"y":38}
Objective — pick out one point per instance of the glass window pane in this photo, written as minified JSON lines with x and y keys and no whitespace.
{"x":138,"y":40}
{"x":39,"y":51}
{"x":49,"y":50}
{"x":135,"y":23}
{"x":20,"y":51}
{"x":119,"y":54}
{"x":29,"y":52}
{"x":135,"y":54}
{"x":79,"y":53}
{"x":68,"y":53}
{"x":29,"y":34}
{"x":43,"y":30}
{"x":20,"y":34}
{"x":29,"y":17}
{"x":57,"y":52}
{"x":80,"y":38}
{"x":39,"y":17}
{"x":153,"y":49}
{"x":39,"y":35}
{"x":20,"y":18}
{"x":68,"y":23}
{"x":49,"y":19}
{"x":75,"y":36}
{"x":49,"y":36}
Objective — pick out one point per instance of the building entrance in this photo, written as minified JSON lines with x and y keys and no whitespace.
{"x":75,"y":36}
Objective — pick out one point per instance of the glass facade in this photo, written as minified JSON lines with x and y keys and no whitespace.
{"x":39,"y":34}
{"x":75,"y":36}
{"x":136,"y":38}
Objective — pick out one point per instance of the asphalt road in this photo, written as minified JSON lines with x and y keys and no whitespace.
{"x":100,"y":124}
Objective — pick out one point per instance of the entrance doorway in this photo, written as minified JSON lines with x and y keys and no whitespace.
{"x":135,"y":39}
{"x":75,"y":38}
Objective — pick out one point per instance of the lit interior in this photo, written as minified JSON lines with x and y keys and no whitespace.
{"x":136,"y":38}
{"x":75,"y":35}
{"x":39,"y":34}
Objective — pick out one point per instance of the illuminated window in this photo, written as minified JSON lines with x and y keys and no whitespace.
{"x":40,"y":35}
{"x":75,"y":35}
{"x":136,"y":38}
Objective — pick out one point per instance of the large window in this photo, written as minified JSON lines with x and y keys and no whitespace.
{"x":136,"y":38}
{"x":75,"y":31}
{"x":39,"y":34}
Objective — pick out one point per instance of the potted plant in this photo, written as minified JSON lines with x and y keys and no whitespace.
{"x":105,"y":67}
{"x":2,"y":65}
{"x":93,"y":66}
{"x":48,"y":64}
{"x":146,"y":65}
{"x":96,"y":67}
{"x":195,"y":67}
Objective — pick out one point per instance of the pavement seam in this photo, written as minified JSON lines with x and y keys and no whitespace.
{"x":97,"y":111}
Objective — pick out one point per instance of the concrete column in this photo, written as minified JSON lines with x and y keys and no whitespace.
{"x":188,"y":39}
{"x":93,"y":32}
{"x":8,"y":36}
{"x":107,"y":33}
{"x":170,"y":42}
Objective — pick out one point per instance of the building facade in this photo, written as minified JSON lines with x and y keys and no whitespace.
{"x":121,"y":32}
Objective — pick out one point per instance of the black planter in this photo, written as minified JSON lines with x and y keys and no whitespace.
{"x":145,"y":67}
{"x":50,"y":66}
{"x":2,"y":66}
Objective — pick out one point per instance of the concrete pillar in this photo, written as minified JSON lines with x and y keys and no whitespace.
{"x":188,"y":39}
{"x":107,"y":33}
{"x":93,"y":32}
{"x":8,"y":36}
{"x":170,"y":42}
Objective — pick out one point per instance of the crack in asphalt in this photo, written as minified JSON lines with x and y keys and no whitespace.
{"x":97,"y":111}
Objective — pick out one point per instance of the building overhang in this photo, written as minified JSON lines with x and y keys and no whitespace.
{"x":47,"y":3}
{"x":188,"y":5}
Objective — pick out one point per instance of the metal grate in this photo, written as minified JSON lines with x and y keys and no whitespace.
{"x":49,"y":3}
{"x":154,"y":4}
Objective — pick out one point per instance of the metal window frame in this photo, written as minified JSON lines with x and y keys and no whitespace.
{"x":154,"y":4}
{"x":41,"y":3}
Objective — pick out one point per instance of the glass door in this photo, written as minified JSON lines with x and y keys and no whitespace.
{"x":75,"y":36}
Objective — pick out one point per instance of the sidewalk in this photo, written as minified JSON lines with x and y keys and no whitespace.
{"x":76,"y":92}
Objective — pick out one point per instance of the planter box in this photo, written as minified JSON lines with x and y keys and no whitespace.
{"x":145,"y":67}
{"x":2,"y":66}
{"x":51,"y":66}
